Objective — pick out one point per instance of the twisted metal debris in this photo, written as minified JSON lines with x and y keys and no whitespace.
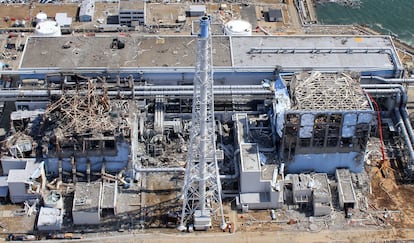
{"x":82,"y":114}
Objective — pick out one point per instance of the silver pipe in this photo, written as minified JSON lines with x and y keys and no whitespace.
{"x":134,"y":142}
{"x":386,"y":92}
{"x":388,"y":86}
{"x":405,"y":136}
{"x":190,"y":92}
{"x":13,"y":93}
{"x":406,"y":119}
{"x":191,"y":87}
{"x":391,"y":80}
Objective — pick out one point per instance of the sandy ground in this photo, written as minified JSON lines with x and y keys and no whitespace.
{"x":28,"y":12}
{"x":166,"y":13}
{"x":389,"y":194}
{"x":255,"y":237}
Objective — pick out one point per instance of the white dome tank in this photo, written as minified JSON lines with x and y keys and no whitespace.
{"x":41,"y":17}
{"x":238,"y":27}
{"x":47,"y":28}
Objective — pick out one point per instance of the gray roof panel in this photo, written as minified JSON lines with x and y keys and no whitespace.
{"x":293,"y":53}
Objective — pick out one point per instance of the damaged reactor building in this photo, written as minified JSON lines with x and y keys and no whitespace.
{"x":265,"y":120}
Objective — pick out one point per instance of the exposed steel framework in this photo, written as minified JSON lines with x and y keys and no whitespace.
{"x":202,"y":187}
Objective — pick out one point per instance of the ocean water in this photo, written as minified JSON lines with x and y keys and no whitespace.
{"x":386,"y":16}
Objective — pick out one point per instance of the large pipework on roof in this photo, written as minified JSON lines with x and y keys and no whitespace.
{"x":191,"y":87}
{"x":405,"y":137}
{"x":401,"y":113}
{"x":371,"y":88}
{"x":144,"y":91}
{"x":189,"y":90}
{"x":388,"y":86}
{"x":386,"y":93}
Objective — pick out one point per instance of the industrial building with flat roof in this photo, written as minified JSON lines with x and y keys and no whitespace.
{"x":370,"y":55}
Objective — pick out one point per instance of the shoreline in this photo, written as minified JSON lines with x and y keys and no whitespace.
{"x":363,"y":27}
{"x":399,"y":44}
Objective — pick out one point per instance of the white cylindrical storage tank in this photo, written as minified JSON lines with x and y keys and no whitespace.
{"x":238,"y":27}
{"x":47,"y":28}
{"x":41,"y":17}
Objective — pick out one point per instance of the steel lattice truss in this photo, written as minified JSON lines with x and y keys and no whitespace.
{"x":328,"y":92}
{"x":202,"y":187}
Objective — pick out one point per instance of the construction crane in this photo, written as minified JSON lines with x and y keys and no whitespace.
{"x":202,"y":188}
